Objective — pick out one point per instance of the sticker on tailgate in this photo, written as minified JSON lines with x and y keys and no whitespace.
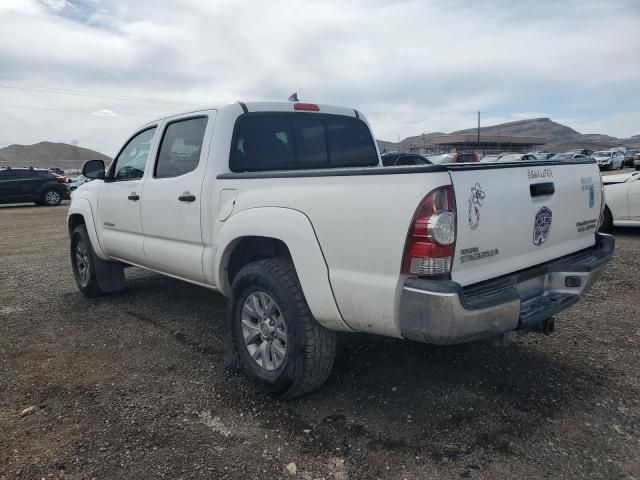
{"x":475,"y":202}
{"x":542,"y":226}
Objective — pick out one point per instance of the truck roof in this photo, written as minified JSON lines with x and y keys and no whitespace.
{"x":279,"y":106}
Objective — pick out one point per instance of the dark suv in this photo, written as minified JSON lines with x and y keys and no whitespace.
{"x":32,"y":185}
{"x":397,"y":159}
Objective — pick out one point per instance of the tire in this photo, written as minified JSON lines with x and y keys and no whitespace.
{"x":309,"y":349}
{"x":51,"y":197}
{"x":607,"y":221}
{"x":83,"y":262}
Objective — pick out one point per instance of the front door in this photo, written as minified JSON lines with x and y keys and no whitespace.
{"x":172,"y":198}
{"x":119,"y":200}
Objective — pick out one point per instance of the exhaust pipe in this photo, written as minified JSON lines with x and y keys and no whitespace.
{"x":548,"y":326}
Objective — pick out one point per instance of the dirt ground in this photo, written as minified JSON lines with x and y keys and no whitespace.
{"x":139,"y":385}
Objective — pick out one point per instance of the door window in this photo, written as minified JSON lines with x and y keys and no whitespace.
{"x":131,"y":162}
{"x":181,"y":147}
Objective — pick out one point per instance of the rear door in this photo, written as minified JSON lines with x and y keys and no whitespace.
{"x":512,"y":217}
{"x":172,"y":195}
{"x":9,"y":184}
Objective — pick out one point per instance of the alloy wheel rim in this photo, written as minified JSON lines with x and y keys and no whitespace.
{"x":82,"y":262}
{"x":52,"y":197}
{"x":264,"y":330}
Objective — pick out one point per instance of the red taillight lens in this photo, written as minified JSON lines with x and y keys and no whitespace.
{"x":61,"y":179}
{"x":431,"y":239}
{"x":310,"y":107}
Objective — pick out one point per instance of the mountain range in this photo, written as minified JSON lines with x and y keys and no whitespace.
{"x":557,"y":137}
{"x":47,"y":155}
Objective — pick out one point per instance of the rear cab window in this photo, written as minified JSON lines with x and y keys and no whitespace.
{"x":180,"y":148}
{"x":299,"y":141}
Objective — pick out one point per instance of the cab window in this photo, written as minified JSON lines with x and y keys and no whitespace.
{"x":181,"y":147}
{"x":132,"y":160}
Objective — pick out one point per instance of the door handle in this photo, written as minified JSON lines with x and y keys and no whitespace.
{"x":134,"y":196}
{"x":541,"y":189}
{"x":187,"y":198}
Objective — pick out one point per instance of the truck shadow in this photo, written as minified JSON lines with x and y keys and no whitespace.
{"x":385,"y":393}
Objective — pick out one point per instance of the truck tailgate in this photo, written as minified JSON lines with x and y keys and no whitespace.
{"x":514,"y":216}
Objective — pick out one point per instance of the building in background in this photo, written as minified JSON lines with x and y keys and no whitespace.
{"x":489,"y":144}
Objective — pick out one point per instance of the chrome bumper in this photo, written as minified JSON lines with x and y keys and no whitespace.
{"x":443,"y":312}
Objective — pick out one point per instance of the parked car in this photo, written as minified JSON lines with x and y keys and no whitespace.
{"x":76,"y":182}
{"x":305,"y":241}
{"x":582,"y":151}
{"x":608,"y":160}
{"x":456,"y":157}
{"x":396,"y":159}
{"x":622,"y":193}
{"x":543,"y":155}
{"x":489,"y":158}
{"x":630,"y":155}
{"x":568,"y":156}
{"x":636,"y":161}
{"x":517,"y":157}
{"x":40,"y":186}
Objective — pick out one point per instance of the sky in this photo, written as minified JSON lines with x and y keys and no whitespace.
{"x":89,"y":72}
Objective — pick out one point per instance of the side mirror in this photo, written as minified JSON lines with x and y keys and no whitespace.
{"x":93,"y":169}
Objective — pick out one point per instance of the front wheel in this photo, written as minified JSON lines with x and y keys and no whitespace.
{"x":83,"y":263}
{"x":276,"y":341}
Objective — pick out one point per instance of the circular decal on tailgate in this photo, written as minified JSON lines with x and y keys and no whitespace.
{"x":542,"y":226}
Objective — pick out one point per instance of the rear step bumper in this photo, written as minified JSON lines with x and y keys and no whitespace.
{"x":443,"y":312}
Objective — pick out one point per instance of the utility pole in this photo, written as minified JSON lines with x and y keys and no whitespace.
{"x":478,"y":131}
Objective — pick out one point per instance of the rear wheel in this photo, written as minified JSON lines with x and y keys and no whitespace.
{"x":51,"y":197}
{"x":276,"y":341}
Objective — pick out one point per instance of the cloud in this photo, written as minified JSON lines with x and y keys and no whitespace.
{"x":56,"y":5}
{"x":410,"y":66}
{"x":104,"y":113}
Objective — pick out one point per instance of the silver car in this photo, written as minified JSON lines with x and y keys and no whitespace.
{"x":607,"y":160}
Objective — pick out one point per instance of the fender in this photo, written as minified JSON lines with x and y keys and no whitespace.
{"x":295,"y":230}
{"x":82,"y":206}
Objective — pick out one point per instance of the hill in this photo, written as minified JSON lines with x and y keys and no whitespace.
{"x":558,"y":137}
{"x":49,"y":154}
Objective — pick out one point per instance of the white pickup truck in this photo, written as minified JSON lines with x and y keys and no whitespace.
{"x":286,"y":209}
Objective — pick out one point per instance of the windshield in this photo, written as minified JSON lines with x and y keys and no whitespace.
{"x":601,"y":154}
{"x":563,"y":156}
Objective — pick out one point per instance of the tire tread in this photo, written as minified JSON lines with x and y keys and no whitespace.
{"x":319,"y":343}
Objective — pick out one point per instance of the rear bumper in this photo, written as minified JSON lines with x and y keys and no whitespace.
{"x":443,"y":312}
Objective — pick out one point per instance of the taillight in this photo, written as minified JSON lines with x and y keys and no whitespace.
{"x":61,"y":179}
{"x":432,"y":235}
{"x":310,"y":107}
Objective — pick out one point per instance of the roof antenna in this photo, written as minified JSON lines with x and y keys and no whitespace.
{"x":293,"y":97}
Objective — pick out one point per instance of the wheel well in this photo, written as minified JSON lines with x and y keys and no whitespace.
{"x":74,"y":221}
{"x":250,"y":249}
